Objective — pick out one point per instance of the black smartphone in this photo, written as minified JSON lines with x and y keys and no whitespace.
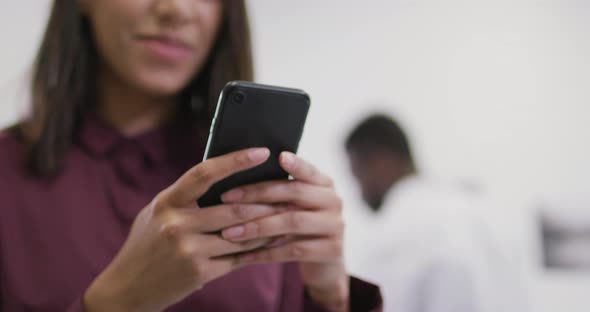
{"x":254,"y":115}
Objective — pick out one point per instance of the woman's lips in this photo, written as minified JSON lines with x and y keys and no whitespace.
{"x":166,"y":48}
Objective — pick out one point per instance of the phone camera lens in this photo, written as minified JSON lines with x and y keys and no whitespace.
{"x":239,"y":97}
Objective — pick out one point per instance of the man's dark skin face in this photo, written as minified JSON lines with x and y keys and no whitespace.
{"x":376,"y":171}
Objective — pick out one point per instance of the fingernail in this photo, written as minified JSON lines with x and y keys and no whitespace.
{"x":234,"y":232}
{"x":259,"y":154}
{"x":288,"y":160}
{"x":232,"y":196}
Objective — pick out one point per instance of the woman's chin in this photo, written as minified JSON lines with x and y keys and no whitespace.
{"x":162,"y":87}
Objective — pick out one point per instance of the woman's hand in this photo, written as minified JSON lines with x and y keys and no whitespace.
{"x":170,"y":252}
{"x":312,"y":229}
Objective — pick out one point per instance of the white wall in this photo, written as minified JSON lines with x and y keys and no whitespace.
{"x":21,"y":27}
{"x":494,"y":91}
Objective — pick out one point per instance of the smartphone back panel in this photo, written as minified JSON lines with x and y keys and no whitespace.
{"x":253,"y":115}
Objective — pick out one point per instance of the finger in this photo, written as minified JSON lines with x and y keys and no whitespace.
{"x":280,"y":240}
{"x":197,"y":180}
{"x":287,"y":223}
{"x":307,"y":250}
{"x":200,"y":247}
{"x":216,"y":218}
{"x":214,"y":246}
{"x":295,"y":192}
{"x":303,"y":171}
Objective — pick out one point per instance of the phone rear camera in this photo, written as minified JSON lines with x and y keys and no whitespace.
{"x":238,"y":97}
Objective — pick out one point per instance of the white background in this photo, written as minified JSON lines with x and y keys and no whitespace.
{"x":492,"y":92}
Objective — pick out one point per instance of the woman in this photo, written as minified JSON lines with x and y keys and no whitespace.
{"x":94,"y":214}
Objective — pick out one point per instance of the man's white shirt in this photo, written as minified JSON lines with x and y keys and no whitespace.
{"x":430,"y":250}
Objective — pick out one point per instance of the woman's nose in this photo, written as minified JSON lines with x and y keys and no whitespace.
{"x":175,"y":11}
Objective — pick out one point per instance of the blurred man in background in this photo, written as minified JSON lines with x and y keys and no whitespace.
{"x":425,"y":242}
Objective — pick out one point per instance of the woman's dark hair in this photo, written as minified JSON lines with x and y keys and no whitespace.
{"x":63,"y":81}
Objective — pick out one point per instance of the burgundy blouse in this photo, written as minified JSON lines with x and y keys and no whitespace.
{"x":57,"y":235}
